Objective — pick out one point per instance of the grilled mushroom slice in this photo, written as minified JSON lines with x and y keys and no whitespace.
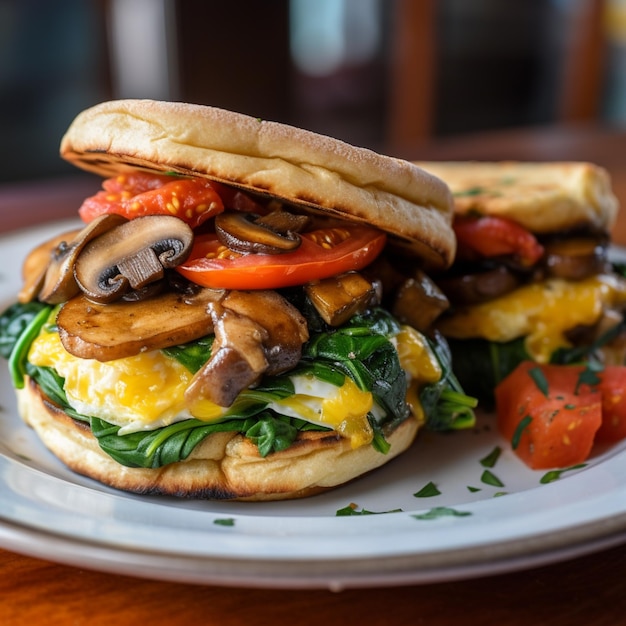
{"x":245,"y":232}
{"x":59,"y":284}
{"x":419,"y":302}
{"x":131,"y":256}
{"x":256,"y":333}
{"x":576,"y":258}
{"x":121,"y":329}
{"x":338,"y":298}
{"x":36,"y":265}
{"x":479,"y":286}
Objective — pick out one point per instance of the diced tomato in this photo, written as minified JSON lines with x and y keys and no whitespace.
{"x":613,"y":389}
{"x":549,"y":417}
{"x":322,"y":253}
{"x":193,"y":200}
{"x":489,"y":236}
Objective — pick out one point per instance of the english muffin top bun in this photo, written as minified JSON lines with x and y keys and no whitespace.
{"x":295,"y":165}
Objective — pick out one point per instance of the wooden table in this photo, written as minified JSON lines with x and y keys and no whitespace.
{"x":590,"y":589}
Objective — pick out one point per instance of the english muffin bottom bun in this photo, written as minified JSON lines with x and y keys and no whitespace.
{"x":532,"y":279}
{"x":246,"y":313}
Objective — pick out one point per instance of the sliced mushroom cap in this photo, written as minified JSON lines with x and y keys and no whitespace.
{"x":59,"y":284}
{"x":113,"y":331}
{"x":256,"y":333}
{"x":340,"y":297}
{"x":131,"y":256}
{"x":479,"y":286}
{"x":419,"y":302}
{"x":576,"y":258}
{"x":36,"y":265}
{"x":239,"y":232}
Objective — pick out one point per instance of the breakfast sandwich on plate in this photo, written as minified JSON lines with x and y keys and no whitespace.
{"x":236,"y":318}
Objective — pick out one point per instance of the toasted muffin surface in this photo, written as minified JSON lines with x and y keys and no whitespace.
{"x":543,"y":197}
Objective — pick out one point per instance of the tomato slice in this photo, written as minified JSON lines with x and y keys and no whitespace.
{"x":323,"y":253}
{"x":489,"y":236}
{"x":193,"y":200}
{"x":549,"y":417}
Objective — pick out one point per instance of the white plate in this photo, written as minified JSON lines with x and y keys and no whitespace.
{"x":49,"y":512}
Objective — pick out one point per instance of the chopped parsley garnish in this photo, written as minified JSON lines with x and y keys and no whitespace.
{"x":521,"y":427}
{"x":428,"y":491}
{"x":589,"y":376}
{"x":353,"y":509}
{"x":440,"y":511}
{"x":489,"y":478}
{"x":553,"y":475}
{"x":539,"y":378}
{"x":491,"y":459}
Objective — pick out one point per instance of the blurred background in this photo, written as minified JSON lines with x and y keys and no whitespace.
{"x":384,"y":74}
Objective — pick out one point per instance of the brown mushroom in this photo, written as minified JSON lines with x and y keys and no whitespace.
{"x":36,"y":265}
{"x":131,"y":256}
{"x":256,"y":333}
{"x":479,"y":286}
{"x":121,"y":329}
{"x":59,"y":284}
{"x":576,"y":258}
{"x":338,"y":298}
{"x":241,"y":233}
{"x":419,"y":302}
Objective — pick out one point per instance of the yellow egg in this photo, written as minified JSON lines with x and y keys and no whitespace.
{"x":138,"y":392}
{"x":542,"y":312}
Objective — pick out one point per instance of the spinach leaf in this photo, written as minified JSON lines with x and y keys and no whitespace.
{"x":361,"y":349}
{"x":192,"y":355}
{"x":14,"y":321}
{"x":480,"y":365}
{"x":271,"y":434}
{"x":445,"y":404}
{"x":152,"y":449}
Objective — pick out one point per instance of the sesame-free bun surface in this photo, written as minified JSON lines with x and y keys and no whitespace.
{"x":544,"y":197}
{"x":224,"y":466}
{"x":303,"y":168}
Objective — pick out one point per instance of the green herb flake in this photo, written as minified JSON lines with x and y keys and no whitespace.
{"x":224,"y":521}
{"x":589,"y":375}
{"x":539,"y":378}
{"x":473,"y":489}
{"x":441,"y":511}
{"x":571,"y":407}
{"x":521,"y":427}
{"x":498,"y":494}
{"x":352,"y":509}
{"x":489,"y":478}
{"x":553,"y":475}
{"x":492,"y":458}
{"x":428,"y":491}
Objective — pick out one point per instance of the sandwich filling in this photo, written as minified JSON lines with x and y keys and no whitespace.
{"x":186,"y":308}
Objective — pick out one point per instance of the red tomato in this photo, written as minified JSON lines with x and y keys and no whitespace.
{"x":553,"y":426}
{"x":132,"y":195}
{"x":613,"y":389}
{"x":322,"y":253}
{"x":489,"y":236}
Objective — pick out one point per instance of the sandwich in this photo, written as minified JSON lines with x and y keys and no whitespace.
{"x":224,"y":326}
{"x":532,"y":279}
